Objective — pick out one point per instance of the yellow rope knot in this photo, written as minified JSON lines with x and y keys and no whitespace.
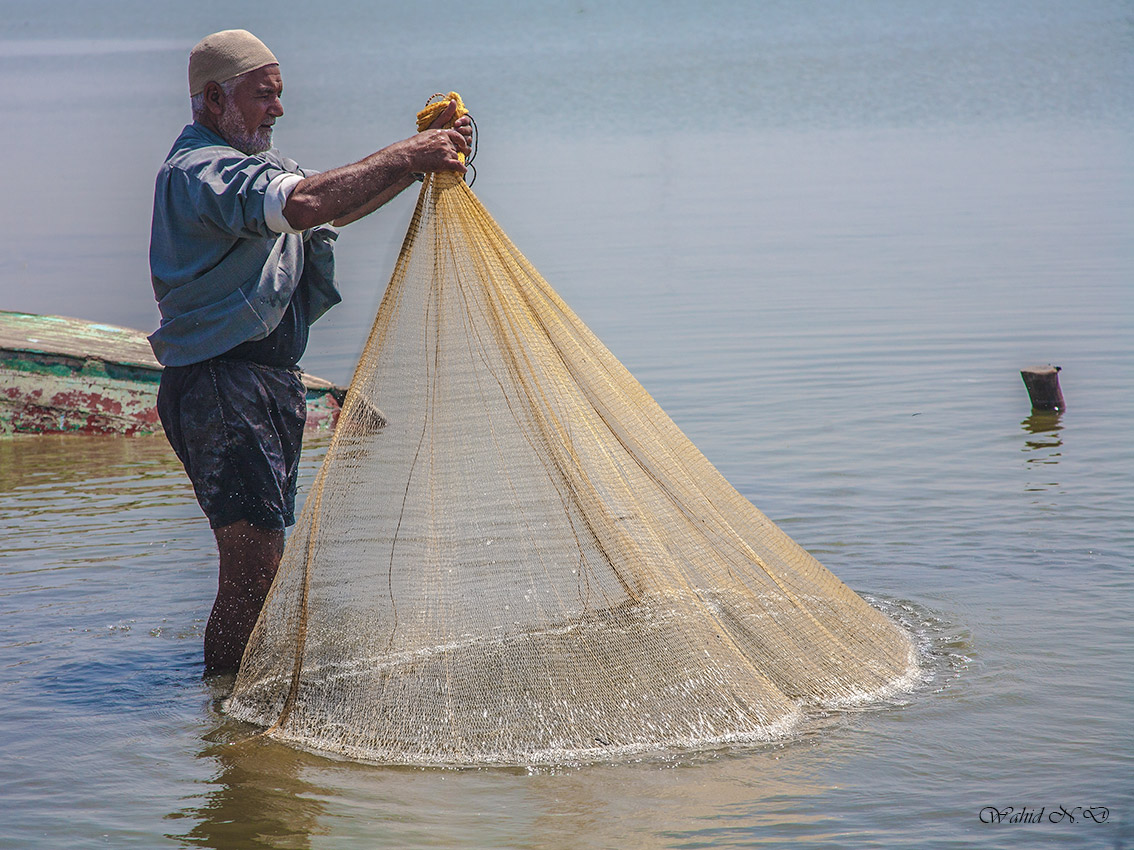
{"x":435,"y":107}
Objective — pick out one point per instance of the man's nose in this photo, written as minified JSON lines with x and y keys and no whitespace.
{"x":276,"y":108}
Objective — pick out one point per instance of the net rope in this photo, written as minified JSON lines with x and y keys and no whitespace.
{"x":522,"y":559}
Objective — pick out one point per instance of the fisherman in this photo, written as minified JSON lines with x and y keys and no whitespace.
{"x":242,"y":264}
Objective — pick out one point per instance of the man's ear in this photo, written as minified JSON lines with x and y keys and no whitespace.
{"x":214,"y":98}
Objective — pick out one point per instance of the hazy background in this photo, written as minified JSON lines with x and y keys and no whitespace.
{"x":826,"y":236}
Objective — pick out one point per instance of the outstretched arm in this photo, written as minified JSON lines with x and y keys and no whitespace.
{"x":379,"y":200}
{"x":346,"y":194}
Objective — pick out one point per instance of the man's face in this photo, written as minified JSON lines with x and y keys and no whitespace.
{"x":252,"y":109}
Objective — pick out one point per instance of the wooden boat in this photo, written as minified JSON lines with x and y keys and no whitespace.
{"x":59,"y":374}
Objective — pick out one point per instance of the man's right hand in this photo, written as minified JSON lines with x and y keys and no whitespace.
{"x":436,"y":149}
{"x":346,"y":194}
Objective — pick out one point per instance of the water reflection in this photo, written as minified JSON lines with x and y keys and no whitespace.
{"x":1044,"y":447}
{"x":267,"y":795}
{"x":1043,"y":422}
{"x":106,"y":462}
{"x":711,"y":801}
{"x":257,"y":799}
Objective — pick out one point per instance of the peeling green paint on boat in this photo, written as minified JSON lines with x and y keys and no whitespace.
{"x":20,"y":363}
{"x":59,"y":374}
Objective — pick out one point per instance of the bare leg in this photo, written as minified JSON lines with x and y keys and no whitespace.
{"x":249,"y":557}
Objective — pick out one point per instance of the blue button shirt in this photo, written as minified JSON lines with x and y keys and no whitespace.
{"x":221,"y":276}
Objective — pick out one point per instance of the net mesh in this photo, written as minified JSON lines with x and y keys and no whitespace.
{"x":522,"y":559}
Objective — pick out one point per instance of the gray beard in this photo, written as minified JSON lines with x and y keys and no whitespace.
{"x":232,"y":130}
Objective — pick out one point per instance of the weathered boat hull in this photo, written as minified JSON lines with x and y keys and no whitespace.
{"x":59,"y":374}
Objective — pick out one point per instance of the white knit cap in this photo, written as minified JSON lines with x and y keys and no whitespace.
{"x":224,"y":55}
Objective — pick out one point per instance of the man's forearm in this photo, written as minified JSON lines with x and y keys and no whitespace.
{"x":374,"y":203}
{"x":346,"y":194}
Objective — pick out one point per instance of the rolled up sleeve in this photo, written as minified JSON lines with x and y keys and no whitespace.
{"x":275,"y":199}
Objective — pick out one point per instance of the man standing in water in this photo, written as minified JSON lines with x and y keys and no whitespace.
{"x":242,"y":264}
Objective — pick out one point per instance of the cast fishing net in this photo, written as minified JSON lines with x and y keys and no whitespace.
{"x":523,"y":559}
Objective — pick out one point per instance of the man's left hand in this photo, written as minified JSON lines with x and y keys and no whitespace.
{"x":462,"y":126}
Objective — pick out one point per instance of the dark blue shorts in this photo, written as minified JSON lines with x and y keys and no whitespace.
{"x":237,"y":427}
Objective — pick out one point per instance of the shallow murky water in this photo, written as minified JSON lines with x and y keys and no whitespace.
{"x":826,"y":241}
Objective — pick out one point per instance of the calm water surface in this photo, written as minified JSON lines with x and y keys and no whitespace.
{"x":825,"y":236}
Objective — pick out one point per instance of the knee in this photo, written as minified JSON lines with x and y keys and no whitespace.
{"x":249,"y":558}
